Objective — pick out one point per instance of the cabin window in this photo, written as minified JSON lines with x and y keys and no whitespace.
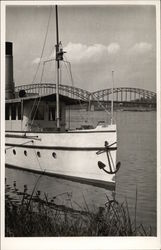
{"x":54,"y":155}
{"x":19,"y":111}
{"x":52,"y":114}
{"x":38,"y":154}
{"x":37,"y":113}
{"x":14,"y":151}
{"x":13,"y":111}
{"x":7,"y":112}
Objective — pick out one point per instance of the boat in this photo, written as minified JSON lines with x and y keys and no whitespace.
{"x":36,"y":138}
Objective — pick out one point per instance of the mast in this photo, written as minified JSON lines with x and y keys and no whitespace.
{"x":58,"y":72}
{"x":59,"y":57}
{"x":112,"y":97}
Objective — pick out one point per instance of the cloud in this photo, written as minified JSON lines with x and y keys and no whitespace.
{"x":78,"y":52}
{"x":141,"y":48}
{"x":43,"y":59}
{"x":113,"y":48}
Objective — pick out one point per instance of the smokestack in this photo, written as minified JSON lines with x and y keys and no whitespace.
{"x":9,"y":72}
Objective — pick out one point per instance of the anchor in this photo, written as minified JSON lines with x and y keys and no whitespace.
{"x":101,"y":165}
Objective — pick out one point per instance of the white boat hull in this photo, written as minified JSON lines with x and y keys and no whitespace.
{"x":72,"y":155}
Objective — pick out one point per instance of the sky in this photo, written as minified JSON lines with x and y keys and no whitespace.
{"x":97,"y":40}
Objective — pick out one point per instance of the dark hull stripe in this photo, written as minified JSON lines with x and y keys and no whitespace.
{"x":21,"y":136}
{"x":98,"y":183}
{"x":58,"y":147}
{"x":57,"y":132}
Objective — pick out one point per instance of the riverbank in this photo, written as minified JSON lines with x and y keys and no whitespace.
{"x":34,"y":215}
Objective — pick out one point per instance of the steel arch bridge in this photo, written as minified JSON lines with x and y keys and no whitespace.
{"x":124,"y":94}
{"x":121,"y":94}
{"x":50,"y":88}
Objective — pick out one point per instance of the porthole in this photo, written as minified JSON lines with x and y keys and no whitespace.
{"x":54,"y":155}
{"x":25,"y":152}
{"x":14,"y":151}
{"x":38,"y":154}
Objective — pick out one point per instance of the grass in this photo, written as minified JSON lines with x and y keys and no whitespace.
{"x":33,"y":215}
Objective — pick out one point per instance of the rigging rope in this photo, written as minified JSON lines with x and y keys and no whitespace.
{"x":100,"y":104}
{"x":41,"y":56}
{"x":39,"y":99}
{"x":69,"y":70}
{"x":32,"y":108}
{"x":19,"y":144}
{"x":43,"y":68}
{"x":43,"y":45}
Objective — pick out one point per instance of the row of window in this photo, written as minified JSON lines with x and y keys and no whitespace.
{"x":38,"y":113}
{"x":38,"y":153}
{"x":13,"y":112}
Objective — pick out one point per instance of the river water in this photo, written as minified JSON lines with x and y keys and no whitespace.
{"x":136,"y":180}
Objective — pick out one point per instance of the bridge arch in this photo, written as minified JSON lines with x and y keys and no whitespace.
{"x":124,"y":94}
{"x":120,"y":93}
{"x":50,"y":88}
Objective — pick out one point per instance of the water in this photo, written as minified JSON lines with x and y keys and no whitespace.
{"x":137,"y":153}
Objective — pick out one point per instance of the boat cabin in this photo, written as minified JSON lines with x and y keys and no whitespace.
{"x":36,"y":113}
{"x":31,"y":112}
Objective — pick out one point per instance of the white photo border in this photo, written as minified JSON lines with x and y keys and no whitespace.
{"x":73,"y":243}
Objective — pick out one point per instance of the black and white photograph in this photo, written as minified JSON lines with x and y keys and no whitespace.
{"x":80,"y":122}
